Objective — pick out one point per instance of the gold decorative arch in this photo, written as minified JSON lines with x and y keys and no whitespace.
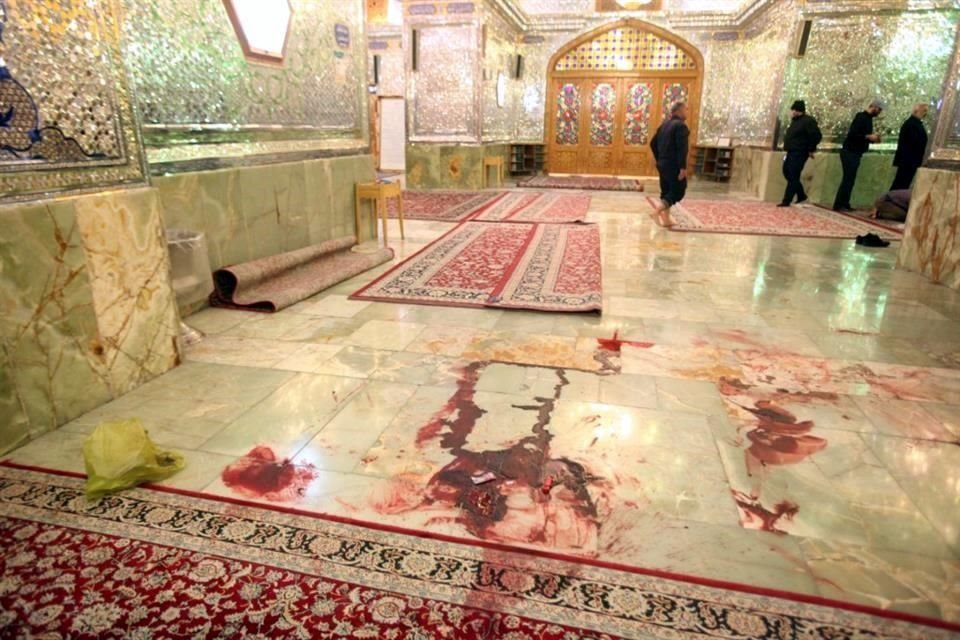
{"x":608,"y":91}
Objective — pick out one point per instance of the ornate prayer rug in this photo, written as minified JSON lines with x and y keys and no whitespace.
{"x":595,"y":183}
{"x":766,"y":219}
{"x":545,"y":207}
{"x":444,"y":206}
{"x":155,"y":562}
{"x":275,"y":282}
{"x":544,"y":267}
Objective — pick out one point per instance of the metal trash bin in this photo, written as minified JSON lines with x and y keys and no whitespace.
{"x":189,"y":269}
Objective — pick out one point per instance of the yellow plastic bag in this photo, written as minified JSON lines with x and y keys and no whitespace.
{"x":120,"y":455}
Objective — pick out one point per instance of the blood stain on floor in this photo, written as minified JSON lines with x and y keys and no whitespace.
{"x":753,"y":515}
{"x":515,"y":507}
{"x":260,"y":474}
{"x":616,"y":344}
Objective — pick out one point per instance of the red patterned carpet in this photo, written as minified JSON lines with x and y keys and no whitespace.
{"x":594,"y":183}
{"x":544,"y":207}
{"x":766,"y":219}
{"x":153,"y":563}
{"x":444,"y":206}
{"x":545,"y":267}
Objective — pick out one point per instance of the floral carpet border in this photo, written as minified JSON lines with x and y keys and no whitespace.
{"x":572,"y":593}
{"x":687,"y":221}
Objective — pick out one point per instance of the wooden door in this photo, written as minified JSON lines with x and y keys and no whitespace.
{"x":603,"y":124}
{"x":640,"y":122}
{"x":565,"y":130}
{"x":673,"y":90}
{"x":600,"y":145}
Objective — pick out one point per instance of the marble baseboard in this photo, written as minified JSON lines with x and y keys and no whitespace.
{"x":444,"y":166}
{"x":931,"y":240}
{"x":759,"y":173}
{"x":88,"y":307}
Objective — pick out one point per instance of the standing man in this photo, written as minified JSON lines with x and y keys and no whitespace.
{"x":911,"y":147}
{"x":854,"y":146}
{"x":800,"y":142}
{"x":669,"y":146}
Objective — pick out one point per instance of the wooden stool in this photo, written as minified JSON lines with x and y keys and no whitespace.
{"x":379,"y":192}
{"x":497,"y":163}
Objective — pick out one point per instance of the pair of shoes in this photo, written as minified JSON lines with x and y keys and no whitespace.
{"x":872,"y":240}
{"x":843,"y":209}
{"x":784,"y":204}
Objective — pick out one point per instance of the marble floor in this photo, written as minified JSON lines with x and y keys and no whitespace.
{"x":778,"y":412}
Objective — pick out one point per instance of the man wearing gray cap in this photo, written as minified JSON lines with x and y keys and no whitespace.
{"x":855,"y":145}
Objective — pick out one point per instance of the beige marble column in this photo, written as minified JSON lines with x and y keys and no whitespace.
{"x":931,"y":245}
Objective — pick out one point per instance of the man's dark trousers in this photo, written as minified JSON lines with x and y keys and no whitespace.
{"x":904,"y":177}
{"x":672,"y":188}
{"x":851,"y":164}
{"x":792,"y":168}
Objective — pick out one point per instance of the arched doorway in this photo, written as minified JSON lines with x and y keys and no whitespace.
{"x":608,"y":91}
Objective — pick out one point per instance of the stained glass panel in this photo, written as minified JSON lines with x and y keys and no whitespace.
{"x":626,"y":49}
{"x":568,"y":114}
{"x":603,"y":107}
{"x":674,"y":92}
{"x":636,"y":130}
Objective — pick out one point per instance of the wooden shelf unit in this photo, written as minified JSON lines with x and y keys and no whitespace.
{"x":527,"y":159}
{"x":714,"y":163}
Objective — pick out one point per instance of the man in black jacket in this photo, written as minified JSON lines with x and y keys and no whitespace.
{"x":911,"y":147}
{"x":669,"y":146}
{"x":855,"y":145}
{"x":801,"y":140}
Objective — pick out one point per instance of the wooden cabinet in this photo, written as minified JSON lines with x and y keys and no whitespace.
{"x":527,"y":159}
{"x":714,"y":163}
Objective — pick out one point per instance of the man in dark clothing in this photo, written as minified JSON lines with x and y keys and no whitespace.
{"x":911,"y":147}
{"x":801,"y":140}
{"x":669,"y":146}
{"x":855,"y":145}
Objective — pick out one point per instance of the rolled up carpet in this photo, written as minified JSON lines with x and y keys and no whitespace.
{"x":272,"y":283}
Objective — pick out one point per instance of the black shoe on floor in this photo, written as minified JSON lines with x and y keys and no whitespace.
{"x":802,"y":200}
{"x":872,"y":240}
{"x":784,"y":204}
{"x":843,"y":209}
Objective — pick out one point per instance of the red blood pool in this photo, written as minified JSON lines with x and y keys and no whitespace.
{"x":259,"y":474}
{"x":615,"y":344}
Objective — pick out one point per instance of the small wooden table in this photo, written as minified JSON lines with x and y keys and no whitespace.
{"x":497,"y":163}
{"x":379,"y":192}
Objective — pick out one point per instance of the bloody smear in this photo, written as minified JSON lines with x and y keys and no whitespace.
{"x":461,"y":403}
{"x":259,"y":474}
{"x":753,"y":515}
{"x":779,"y":438}
{"x":615,"y":344}
{"x":565,"y":515}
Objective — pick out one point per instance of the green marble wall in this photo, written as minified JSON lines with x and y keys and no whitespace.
{"x":254,"y":212}
{"x":758,"y":173}
{"x":445,"y":166}
{"x":88,"y":309}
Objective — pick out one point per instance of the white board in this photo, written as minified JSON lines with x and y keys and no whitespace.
{"x":393,"y":134}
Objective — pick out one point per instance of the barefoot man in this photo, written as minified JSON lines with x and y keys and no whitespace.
{"x":669,"y":147}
